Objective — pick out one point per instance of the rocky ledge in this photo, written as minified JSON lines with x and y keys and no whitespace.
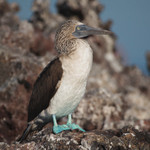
{"x":121,"y":139}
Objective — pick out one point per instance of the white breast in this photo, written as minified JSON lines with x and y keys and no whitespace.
{"x":76,"y":68}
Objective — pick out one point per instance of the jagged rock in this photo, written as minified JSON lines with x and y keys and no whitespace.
{"x":7,"y":15}
{"x":148,"y":60}
{"x":18,"y":72}
{"x":125,"y":138}
{"x":42,"y":19}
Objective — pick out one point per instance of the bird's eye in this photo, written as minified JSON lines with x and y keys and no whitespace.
{"x":78,"y":28}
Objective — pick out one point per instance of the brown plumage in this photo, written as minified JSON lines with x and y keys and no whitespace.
{"x":51,"y":74}
{"x":64,"y":40}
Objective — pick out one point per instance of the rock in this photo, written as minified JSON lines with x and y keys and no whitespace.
{"x":125,"y":138}
{"x":7,"y":16}
{"x":148,"y":60}
{"x":18,"y":72}
{"x":42,"y":19}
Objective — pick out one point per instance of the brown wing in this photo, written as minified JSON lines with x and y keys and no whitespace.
{"x":44,"y":88}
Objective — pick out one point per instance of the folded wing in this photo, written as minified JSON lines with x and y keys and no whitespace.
{"x":44,"y":88}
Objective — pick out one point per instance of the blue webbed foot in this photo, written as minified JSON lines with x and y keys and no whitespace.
{"x":60,"y":128}
{"x":74,"y":126}
{"x":69,"y":126}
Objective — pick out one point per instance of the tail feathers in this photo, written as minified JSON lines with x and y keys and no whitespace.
{"x":25,"y":133}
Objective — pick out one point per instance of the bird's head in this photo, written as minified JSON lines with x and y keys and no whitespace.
{"x":71,"y":30}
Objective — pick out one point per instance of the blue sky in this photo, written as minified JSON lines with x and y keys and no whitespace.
{"x":131,"y":23}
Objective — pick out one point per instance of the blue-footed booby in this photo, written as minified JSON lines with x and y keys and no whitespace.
{"x":62,"y":84}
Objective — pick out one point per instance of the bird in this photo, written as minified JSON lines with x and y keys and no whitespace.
{"x":61,"y":85}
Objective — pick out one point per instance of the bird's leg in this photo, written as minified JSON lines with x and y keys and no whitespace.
{"x":73,"y":126}
{"x":58,"y":128}
{"x":69,"y":119}
{"x":54,"y":120}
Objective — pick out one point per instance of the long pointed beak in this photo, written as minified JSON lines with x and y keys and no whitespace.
{"x":84,"y":31}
